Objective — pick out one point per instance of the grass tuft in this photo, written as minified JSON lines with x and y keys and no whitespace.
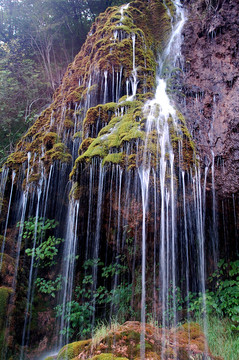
{"x":222,"y":341}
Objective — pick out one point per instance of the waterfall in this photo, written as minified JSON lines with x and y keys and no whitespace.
{"x":97,"y":235}
{"x":214,"y":214}
{"x":162,"y":104}
{"x":22,"y":211}
{"x":105,"y":87}
{"x":68,"y":271}
{"x":134,"y":80}
{"x":4,"y":177}
{"x":117,"y":168}
{"x":186,"y":241}
{"x":144,"y":177}
{"x":30,"y":291}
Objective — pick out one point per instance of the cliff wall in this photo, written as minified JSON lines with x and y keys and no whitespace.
{"x":211,"y":86}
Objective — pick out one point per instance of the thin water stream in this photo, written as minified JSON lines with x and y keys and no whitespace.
{"x":161,"y":105}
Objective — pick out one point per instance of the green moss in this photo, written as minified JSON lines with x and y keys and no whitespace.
{"x":102,"y":51}
{"x":68,"y":123}
{"x":78,"y":135}
{"x":70,"y":351}
{"x":189,"y":147}
{"x":133,"y":134}
{"x":147,"y":346}
{"x":133,"y":335}
{"x":15,"y":159}
{"x":77,"y":191}
{"x":171,"y":7}
{"x":34,"y":178}
{"x":96,"y":148}
{"x":4,"y":296}
{"x":58,"y":152}
{"x":113,"y":158}
{"x":85,"y":144}
{"x":49,"y":139}
{"x":102,"y":113}
{"x":76,"y":94}
{"x":110,"y":127}
{"x":119,"y":130}
{"x":107,"y":357}
{"x":89,"y":90}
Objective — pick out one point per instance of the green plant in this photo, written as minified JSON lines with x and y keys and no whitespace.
{"x":222,"y":340}
{"x":36,"y":227}
{"x":114,"y":269}
{"x":78,"y":315}
{"x":223,"y":299}
{"x":89,"y":301}
{"x":46,"y":251}
{"x":102,"y":330}
{"x":174,"y":303}
{"x":35,"y":230}
{"x":49,"y":286}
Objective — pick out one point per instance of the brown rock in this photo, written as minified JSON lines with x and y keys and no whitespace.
{"x":210,"y":84}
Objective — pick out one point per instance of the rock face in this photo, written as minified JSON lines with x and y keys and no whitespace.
{"x":211,"y":86}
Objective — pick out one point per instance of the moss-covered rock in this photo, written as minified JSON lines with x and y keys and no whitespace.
{"x":107,"y":357}
{"x":127,"y":126}
{"x":124,"y":343}
{"x":70,"y":351}
{"x":49,"y":139}
{"x":58,"y":152}
{"x":99,"y":115}
{"x":106,"y":54}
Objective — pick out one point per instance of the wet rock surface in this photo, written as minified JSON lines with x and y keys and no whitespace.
{"x":211,"y":86}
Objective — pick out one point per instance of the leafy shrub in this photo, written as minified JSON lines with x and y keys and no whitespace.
{"x":90,"y":301}
{"x":49,"y":286}
{"x":223,"y":299}
{"x":44,"y":249}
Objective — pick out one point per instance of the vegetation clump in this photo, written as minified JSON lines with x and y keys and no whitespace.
{"x":107,"y":357}
{"x":58,"y":152}
{"x":122,"y":342}
{"x":72,"y":350}
{"x":127,"y":126}
{"x":99,"y":115}
{"x":49,"y":139}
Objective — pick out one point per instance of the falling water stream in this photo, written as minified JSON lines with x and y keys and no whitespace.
{"x":161,"y":104}
{"x":7,"y":219}
{"x":152,"y":202}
